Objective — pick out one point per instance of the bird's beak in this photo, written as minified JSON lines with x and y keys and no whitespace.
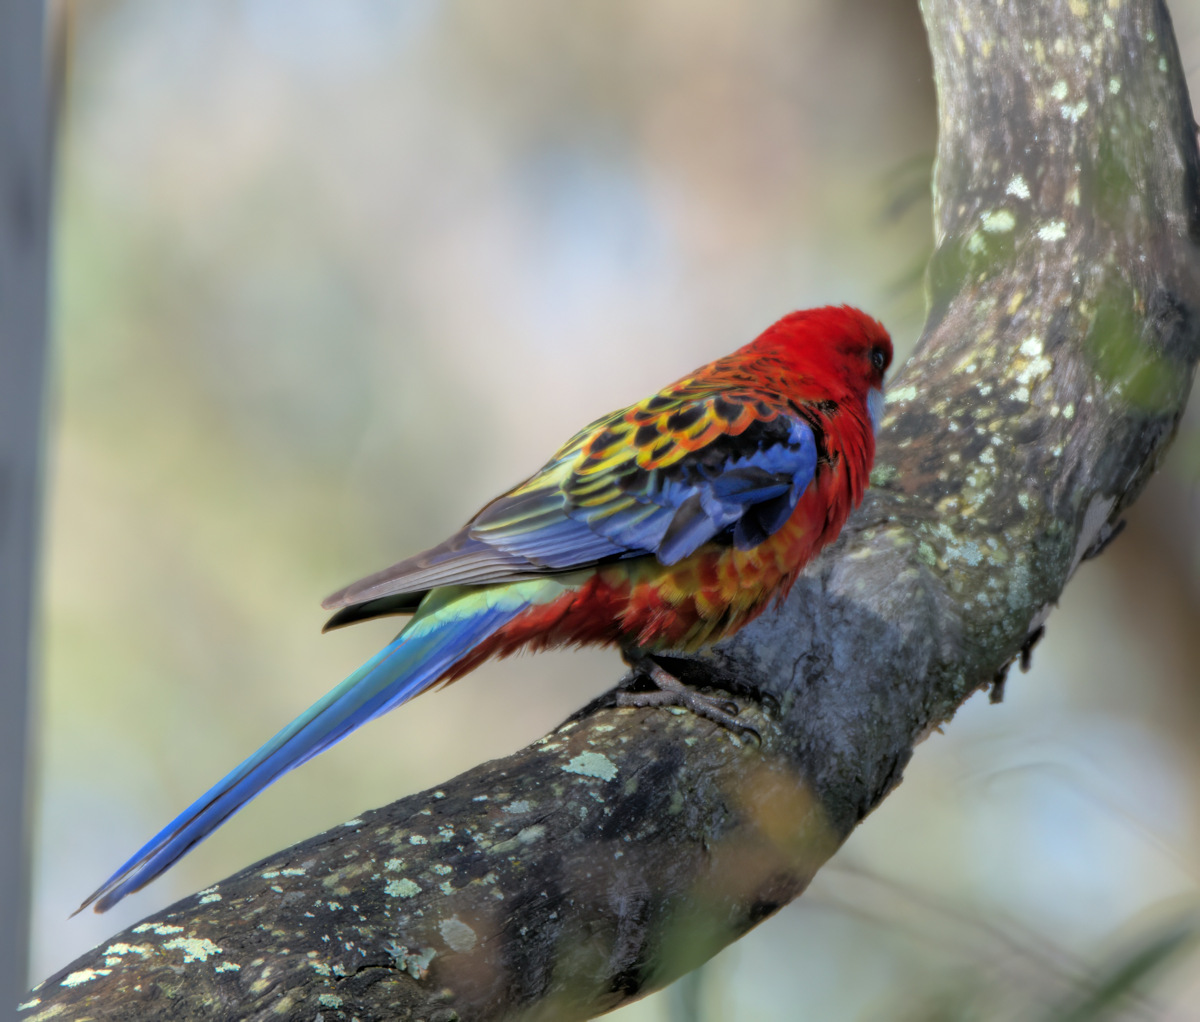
{"x":875,"y":406}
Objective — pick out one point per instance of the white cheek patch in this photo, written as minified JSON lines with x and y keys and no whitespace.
{"x":875,"y":406}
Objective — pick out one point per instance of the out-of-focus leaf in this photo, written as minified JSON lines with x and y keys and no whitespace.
{"x":964,"y":1002}
{"x":908,"y":184}
{"x":908,"y":187}
{"x":1129,"y":971}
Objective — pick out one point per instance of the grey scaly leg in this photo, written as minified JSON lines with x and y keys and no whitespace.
{"x":673,"y":692}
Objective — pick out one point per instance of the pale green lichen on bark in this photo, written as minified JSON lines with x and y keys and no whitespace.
{"x":1090,"y":132}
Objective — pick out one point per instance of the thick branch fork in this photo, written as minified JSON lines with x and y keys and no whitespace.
{"x":632,"y":843}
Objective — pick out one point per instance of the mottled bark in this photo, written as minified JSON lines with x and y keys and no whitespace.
{"x":629,"y":845}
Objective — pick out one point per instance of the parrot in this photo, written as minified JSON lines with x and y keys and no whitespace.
{"x":660,"y":528}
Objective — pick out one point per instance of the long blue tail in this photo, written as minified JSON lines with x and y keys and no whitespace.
{"x":437,"y":638}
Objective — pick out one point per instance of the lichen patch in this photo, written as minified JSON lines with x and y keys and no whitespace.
{"x":402,"y":888}
{"x":120,"y":948}
{"x":74,"y":979}
{"x":195,"y":949}
{"x":528,"y":835}
{"x":162,"y":929}
{"x":1017,"y":187}
{"x":457,"y":934}
{"x":998,"y":221}
{"x":1074,"y":113}
{"x":415,"y":963}
{"x":592,"y":764}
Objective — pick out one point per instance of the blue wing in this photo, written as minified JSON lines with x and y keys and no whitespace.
{"x":601,"y":498}
{"x":738,"y":487}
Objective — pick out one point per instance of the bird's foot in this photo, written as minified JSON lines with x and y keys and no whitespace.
{"x":673,"y":692}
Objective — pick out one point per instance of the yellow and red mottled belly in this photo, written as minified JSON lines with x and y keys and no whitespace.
{"x":716,"y":590}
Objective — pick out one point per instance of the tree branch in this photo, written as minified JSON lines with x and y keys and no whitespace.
{"x":629,"y":845}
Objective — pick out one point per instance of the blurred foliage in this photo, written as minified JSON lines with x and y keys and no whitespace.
{"x":907,"y":192}
{"x":331,"y":274}
{"x":1116,"y":983}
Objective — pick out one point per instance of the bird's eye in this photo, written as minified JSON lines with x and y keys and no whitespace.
{"x":878,"y":359}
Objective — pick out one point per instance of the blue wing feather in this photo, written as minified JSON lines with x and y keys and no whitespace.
{"x":755,"y":483}
{"x":741,"y":488}
{"x":746,"y":485}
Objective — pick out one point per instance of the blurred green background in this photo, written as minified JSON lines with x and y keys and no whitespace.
{"x":332,"y":273}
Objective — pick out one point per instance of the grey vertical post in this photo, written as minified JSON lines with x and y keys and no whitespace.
{"x":24,"y":245}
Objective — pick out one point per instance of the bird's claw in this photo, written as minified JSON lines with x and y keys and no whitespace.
{"x":673,"y":692}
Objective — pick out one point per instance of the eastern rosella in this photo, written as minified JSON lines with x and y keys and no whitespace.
{"x":661,"y":527}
